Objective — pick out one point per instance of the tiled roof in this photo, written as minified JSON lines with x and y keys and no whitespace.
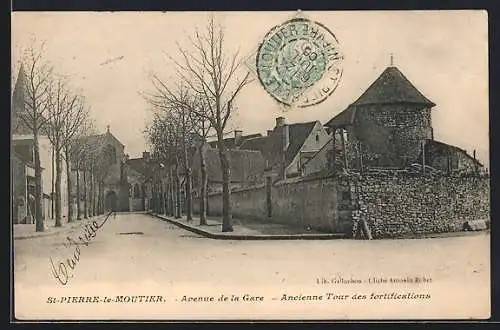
{"x":272,"y":146}
{"x":440,"y":149}
{"x":257,"y":143}
{"x":139,"y":165}
{"x":246,"y":165}
{"x":390,"y":87}
{"x":230,"y":142}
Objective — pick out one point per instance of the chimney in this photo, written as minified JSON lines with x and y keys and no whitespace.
{"x":280,"y":121}
{"x":474,"y":153}
{"x":286,"y":136}
{"x":237,"y":137}
{"x":145,"y":155}
{"x":269,"y":132}
{"x":107,"y":128}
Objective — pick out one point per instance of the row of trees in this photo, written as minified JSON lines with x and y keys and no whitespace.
{"x":51,"y":108}
{"x":199,"y":99}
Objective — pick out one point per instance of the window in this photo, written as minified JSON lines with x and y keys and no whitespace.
{"x":137,"y":191}
{"x":346,"y":196}
{"x":317,"y":137}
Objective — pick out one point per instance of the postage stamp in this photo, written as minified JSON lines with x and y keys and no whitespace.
{"x":299,"y":62}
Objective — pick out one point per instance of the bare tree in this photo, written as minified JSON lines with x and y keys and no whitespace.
{"x":66,"y":113}
{"x":184,"y":108}
{"x":180,"y":108}
{"x":77,"y":151}
{"x":73,"y":126}
{"x":209,"y":71}
{"x":165,"y":138}
{"x":81,"y":147}
{"x":35,"y":82}
{"x":202,"y":128}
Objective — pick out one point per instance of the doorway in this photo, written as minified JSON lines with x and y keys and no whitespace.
{"x":111,"y":202}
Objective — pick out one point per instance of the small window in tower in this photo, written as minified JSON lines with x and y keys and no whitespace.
{"x":317,"y":137}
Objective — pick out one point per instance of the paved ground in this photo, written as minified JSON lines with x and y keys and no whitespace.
{"x":135,"y":254}
{"x":24,"y":231}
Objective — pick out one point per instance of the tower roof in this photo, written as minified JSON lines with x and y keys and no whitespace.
{"x":392,"y":87}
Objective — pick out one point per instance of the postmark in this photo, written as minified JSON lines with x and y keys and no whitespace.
{"x":299,"y":63}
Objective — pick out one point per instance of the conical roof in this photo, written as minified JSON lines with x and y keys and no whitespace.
{"x":392,"y":87}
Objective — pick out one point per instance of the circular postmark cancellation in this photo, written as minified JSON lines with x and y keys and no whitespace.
{"x":299,"y":62}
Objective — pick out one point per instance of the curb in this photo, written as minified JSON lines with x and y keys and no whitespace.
{"x":249,"y":237}
{"x":77,"y":224}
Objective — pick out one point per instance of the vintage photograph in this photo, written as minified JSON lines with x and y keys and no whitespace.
{"x":295,"y":165}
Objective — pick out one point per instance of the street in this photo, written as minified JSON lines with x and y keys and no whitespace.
{"x":139,"y":254}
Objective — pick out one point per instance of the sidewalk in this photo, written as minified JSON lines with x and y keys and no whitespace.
{"x":251,"y":230}
{"x":24,"y":231}
{"x":254,"y":230}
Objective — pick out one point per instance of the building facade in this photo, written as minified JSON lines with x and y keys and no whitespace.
{"x":22,"y":162}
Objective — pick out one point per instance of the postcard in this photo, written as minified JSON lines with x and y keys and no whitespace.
{"x":295,"y":165}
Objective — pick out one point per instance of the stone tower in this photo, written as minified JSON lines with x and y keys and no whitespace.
{"x":386,"y":124}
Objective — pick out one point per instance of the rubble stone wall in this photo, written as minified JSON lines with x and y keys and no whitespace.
{"x":403,"y":205}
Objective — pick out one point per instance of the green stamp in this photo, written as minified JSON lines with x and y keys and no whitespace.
{"x":299,"y":63}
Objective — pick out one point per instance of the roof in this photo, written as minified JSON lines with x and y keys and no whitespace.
{"x":344,"y":118}
{"x":246,"y":165}
{"x":139,"y":165}
{"x":390,"y":87}
{"x":271,"y":146}
{"x":257,"y":143}
{"x":230,"y":142}
{"x":100,"y":139}
{"x":441,"y":149}
{"x":21,"y":158}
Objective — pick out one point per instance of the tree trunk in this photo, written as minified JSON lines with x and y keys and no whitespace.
{"x":188,"y":184}
{"x":38,"y":183}
{"x":91,"y":193}
{"x":153,"y":196}
{"x":52,"y":196}
{"x":178,"y":197}
{"x":167,"y":206}
{"x":58,"y":186}
{"x":78,"y":212}
{"x":85,"y":195}
{"x":161,"y":198}
{"x":203,"y":187}
{"x":226,"y":189}
{"x":94,"y":192}
{"x":171,"y":194}
{"x":100,"y":209}
{"x":68,"y":184}
{"x":98,"y":198}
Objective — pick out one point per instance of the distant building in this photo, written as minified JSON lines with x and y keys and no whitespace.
{"x":247,"y":169}
{"x":288,"y":146}
{"x":115,"y":188}
{"x":234,"y":142}
{"x":448,"y":158}
{"x":138,"y":175}
{"x":22,"y":160}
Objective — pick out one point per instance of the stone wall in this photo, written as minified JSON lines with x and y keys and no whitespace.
{"x":394,"y":204}
{"x":400,"y":205}
{"x":296,"y":202}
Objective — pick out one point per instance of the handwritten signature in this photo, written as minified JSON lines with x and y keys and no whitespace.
{"x":63,"y":272}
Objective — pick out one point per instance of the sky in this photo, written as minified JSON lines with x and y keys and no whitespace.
{"x":109,"y":56}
